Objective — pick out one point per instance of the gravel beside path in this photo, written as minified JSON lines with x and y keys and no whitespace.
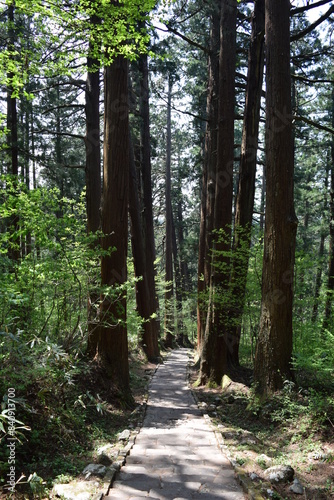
{"x":175,"y":456}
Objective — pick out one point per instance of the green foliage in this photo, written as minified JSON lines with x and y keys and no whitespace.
{"x":240,"y":461}
{"x":60,"y":48}
{"x":37,"y":485}
{"x":189,"y":318}
{"x":43,"y":331}
{"x":314,"y":356}
{"x":44,"y":293}
{"x":239,"y":270}
{"x":306,"y":410}
{"x":6,"y":419}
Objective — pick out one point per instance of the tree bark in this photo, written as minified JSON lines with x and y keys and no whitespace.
{"x":112,"y":349}
{"x":208,"y":176}
{"x":263,"y":199}
{"x":169,"y":317}
{"x":182,"y":263}
{"x":93,"y":178}
{"x":247,"y":172}
{"x":323,"y":235}
{"x":147,"y":202}
{"x":274,"y":346}
{"x":178,"y":287}
{"x":330,"y":283}
{"x":214,"y":354}
{"x":149,"y":340}
{"x":12,"y":105}
{"x":92,"y":141}
{"x":12,"y":142}
{"x":318,"y":277}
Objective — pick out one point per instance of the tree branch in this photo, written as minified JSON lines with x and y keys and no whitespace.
{"x":312,"y":26}
{"x":185,"y":38}
{"x":313,"y":124}
{"x":202,"y":118}
{"x":310,"y":81}
{"x":241,"y":75}
{"x":74,"y":166}
{"x":299,"y":10}
{"x":53,"y":132}
{"x":63,"y":106}
{"x":75,"y":83}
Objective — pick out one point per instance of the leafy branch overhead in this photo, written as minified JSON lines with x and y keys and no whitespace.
{"x":58,"y":36}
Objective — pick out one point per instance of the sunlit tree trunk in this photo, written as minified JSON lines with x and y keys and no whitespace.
{"x":112,"y":349}
{"x":330,"y":283}
{"x":169,"y":316}
{"x":148,"y":341}
{"x":178,"y":286}
{"x":181,"y":269}
{"x":247,"y":172}
{"x":214,"y":350}
{"x":274,"y":346}
{"x":147,"y":201}
{"x":12,"y":141}
{"x":93,"y":179}
{"x":208,"y":177}
{"x":263,"y":199}
{"x":318,"y":278}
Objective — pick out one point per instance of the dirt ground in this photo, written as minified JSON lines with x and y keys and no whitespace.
{"x":254,"y":442}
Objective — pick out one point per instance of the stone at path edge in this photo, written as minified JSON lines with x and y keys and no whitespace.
{"x":175,"y":456}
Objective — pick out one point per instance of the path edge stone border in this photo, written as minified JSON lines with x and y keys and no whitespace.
{"x":131,"y":442}
{"x":242,"y":477}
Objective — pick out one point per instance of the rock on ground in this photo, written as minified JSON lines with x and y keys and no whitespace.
{"x":95,"y":470}
{"x":76,"y":490}
{"x":279,"y":474}
{"x":297,"y":487}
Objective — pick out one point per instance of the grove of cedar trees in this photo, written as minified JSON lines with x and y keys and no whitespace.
{"x":169,"y":183}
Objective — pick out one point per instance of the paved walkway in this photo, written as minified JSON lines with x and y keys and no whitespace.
{"x":175,"y":456}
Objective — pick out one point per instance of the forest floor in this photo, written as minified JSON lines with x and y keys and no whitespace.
{"x":69,"y":424}
{"x":294,"y":428}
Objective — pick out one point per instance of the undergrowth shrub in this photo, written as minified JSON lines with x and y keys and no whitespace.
{"x":43,"y":332}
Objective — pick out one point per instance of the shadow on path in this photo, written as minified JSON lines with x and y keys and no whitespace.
{"x":175,"y":456}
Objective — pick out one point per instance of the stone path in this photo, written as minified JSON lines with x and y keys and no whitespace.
{"x":175,"y":456}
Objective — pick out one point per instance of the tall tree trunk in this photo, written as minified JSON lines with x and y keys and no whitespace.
{"x":201,"y":302}
{"x":59,"y":153}
{"x":184,"y":270}
{"x":263,"y":199}
{"x":147,"y":203}
{"x":93,"y":178}
{"x":182,"y":264}
{"x":92,"y":140}
{"x":323,"y":234}
{"x":247,"y":172}
{"x":34,"y":177}
{"x":274,"y":346}
{"x":208,"y":176}
{"x":318,"y":277}
{"x":112,"y":349}
{"x":178,"y":286}
{"x":330,"y":284}
{"x":149,"y":340}
{"x":214,"y":352}
{"x":28,"y":111}
{"x":12,"y":106}
{"x":12,"y":141}
{"x":169,"y":316}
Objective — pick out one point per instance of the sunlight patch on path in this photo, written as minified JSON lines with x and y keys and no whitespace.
{"x":175,"y":456}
